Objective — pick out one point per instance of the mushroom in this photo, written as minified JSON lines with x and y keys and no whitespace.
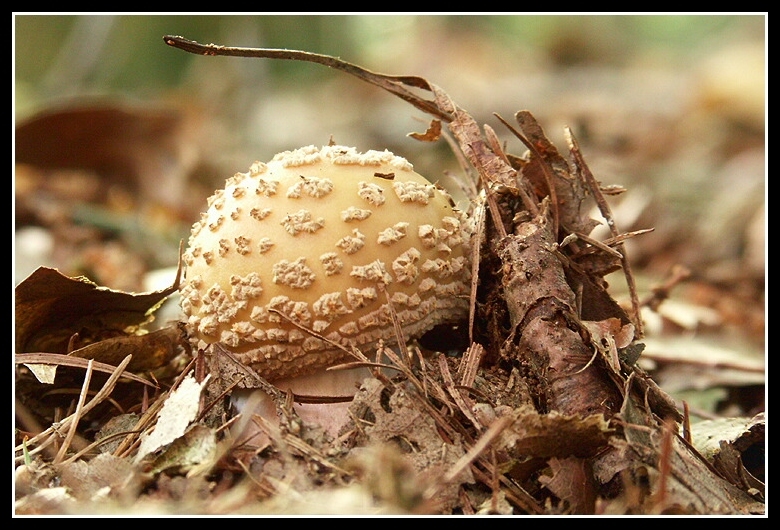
{"x":318,"y":248}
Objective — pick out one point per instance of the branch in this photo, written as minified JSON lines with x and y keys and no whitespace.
{"x":393,"y":84}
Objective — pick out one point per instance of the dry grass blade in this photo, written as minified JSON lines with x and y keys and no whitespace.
{"x":77,"y":414}
{"x":59,"y":359}
{"x":50,"y":435}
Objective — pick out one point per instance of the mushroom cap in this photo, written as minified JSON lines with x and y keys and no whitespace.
{"x":328,"y":238}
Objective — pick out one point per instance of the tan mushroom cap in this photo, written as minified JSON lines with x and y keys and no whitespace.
{"x":323,"y":236}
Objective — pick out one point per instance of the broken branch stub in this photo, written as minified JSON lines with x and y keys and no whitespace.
{"x":546,"y":337}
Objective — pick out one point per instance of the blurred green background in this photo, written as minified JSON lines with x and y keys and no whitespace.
{"x":487,"y":63}
{"x":671,"y":106}
{"x":72,"y":54}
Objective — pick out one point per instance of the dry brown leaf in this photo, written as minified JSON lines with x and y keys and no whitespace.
{"x":571,"y":482}
{"x":128,"y":145}
{"x":150,"y":350}
{"x":432,"y":134}
{"x":52,"y":308}
{"x":554,"y":435}
{"x":102,"y":478}
{"x":192,"y":453}
{"x":399,"y":422}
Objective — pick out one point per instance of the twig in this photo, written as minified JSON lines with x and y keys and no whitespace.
{"x":599,"y":245}
{"x":391,"y":83}
{"x":679,"y":274}
{"x":449,"y":384}
{"x":606,"y":212}
{"x":493,"y":432}
{"x":546,"y":170}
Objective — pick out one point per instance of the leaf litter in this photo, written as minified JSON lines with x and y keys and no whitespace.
{"x":545,"y":408}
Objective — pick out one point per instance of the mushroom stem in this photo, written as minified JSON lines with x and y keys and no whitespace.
{"x":330,"y":416}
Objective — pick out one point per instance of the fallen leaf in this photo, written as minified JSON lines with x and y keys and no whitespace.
{"x":192,"y":453}
{"x":103,"y":476}
{"x":554,"y":434}
{"x":571,"y":482}
{"x":45,"y":373}
{"x":51,"y":308}
{"x":149,"y":351}
{"x":179,"y":410}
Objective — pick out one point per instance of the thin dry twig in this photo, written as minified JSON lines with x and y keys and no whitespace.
{"x":606,"y":212}
{"x":462,"y":403}
{"x":493,"y":432}
{"x":48,"y":436}
{"x":391,"y":83}
{"x":546,"y":170}
{"x":678,"y":274}
{"x":599,"y":245}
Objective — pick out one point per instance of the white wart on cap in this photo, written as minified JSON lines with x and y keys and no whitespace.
{"x":319,"y":235}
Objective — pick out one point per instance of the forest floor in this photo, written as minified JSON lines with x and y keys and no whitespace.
{"x":672,"y":423}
